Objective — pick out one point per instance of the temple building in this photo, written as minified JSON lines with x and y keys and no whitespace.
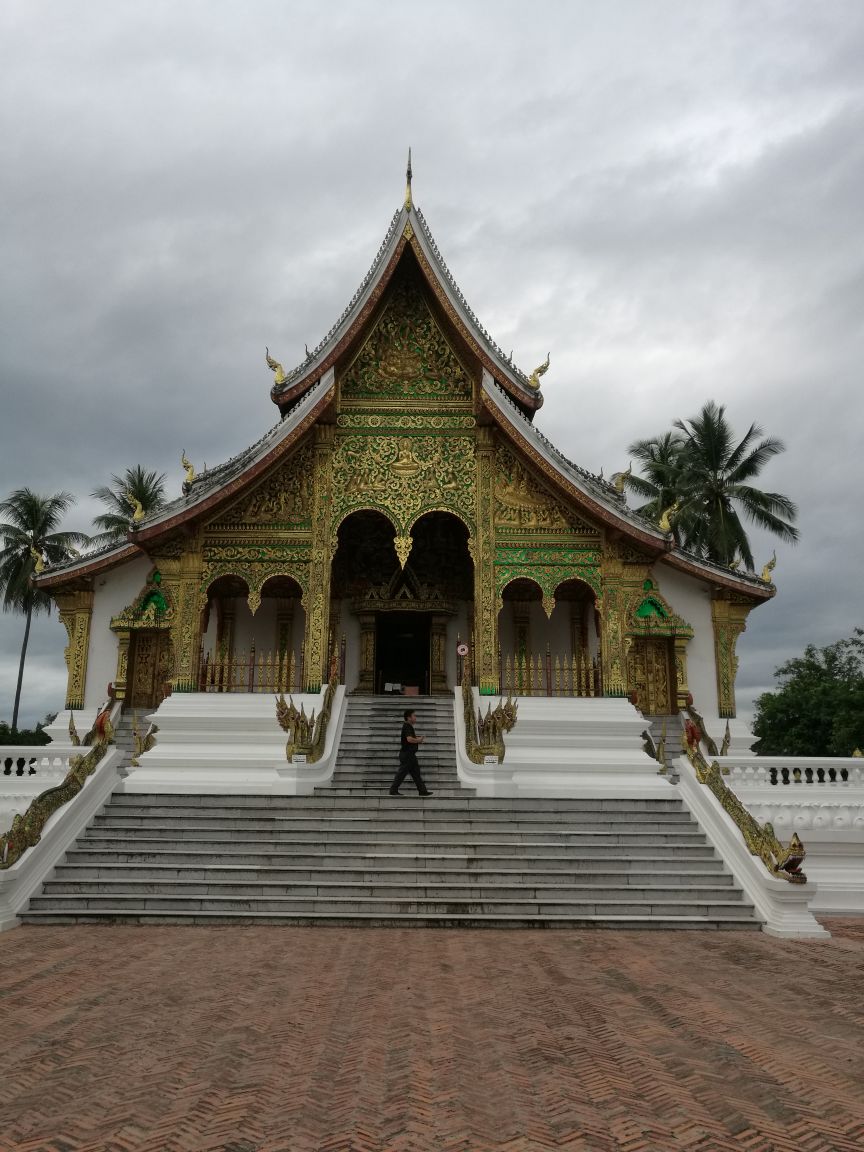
{"x":403,"y":508}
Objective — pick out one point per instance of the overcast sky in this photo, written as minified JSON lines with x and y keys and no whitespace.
{"x":668,"y":196}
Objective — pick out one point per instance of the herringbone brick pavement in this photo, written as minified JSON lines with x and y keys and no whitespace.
{"x":257,"y":1039}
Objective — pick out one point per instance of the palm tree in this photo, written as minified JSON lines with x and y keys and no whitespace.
{"x":30,"y":532}
{"x":699,"y":467}
{"x":146,"y":487}
{"x":660,"y":459}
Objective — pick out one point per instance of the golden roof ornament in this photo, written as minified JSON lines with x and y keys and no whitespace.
{"x":408,"y":175}
{"x":534,"y":378}
{"x":668,"y":515}
{"x":619,"y":479}
{"x":38,"y":560}
{"x":190,"y":469}
{"x":136,"y":506}
{"x":275,"y":367}
{"x":857,"y":753}
{"x":769,"y":568}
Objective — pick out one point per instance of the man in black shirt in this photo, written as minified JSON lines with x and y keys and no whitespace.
{"x":408,"y":765}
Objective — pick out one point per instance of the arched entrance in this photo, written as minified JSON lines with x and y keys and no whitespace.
{"x":558,"y":655}
{"x":401,"y":622}
{"x":242,"y":651}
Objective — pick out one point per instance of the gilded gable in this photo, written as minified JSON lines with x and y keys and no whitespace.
{"x":406,"y":356}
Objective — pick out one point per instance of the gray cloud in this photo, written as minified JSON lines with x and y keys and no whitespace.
{"x":667,"y":196}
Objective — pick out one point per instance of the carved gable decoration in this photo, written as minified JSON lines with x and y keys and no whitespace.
{"x":651,"y":615}
{"x":152,"y":608}
{"x":283,"y":500}
{"x":406,"y":357}
{"x":522,"y":502}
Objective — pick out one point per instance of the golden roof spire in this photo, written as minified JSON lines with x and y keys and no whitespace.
{"x":408,"y":175}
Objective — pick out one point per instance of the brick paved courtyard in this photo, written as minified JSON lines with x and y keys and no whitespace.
{"x":294,"y":1039}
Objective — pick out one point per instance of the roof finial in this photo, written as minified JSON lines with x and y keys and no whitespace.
{"x":408,"y":182}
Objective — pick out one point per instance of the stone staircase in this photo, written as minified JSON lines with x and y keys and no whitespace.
{"x":351,"y":854}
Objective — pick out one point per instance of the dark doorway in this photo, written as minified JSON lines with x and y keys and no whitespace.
{"x":402,"y":651}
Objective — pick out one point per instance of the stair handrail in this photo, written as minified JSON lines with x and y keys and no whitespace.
{"x":307,"y":735}
{"x":484,"y":735}
{"x":782,"y":860}
{"x":27,"y":828}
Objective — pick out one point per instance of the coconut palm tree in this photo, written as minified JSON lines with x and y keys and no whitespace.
{"x":700,"y":468}
{"x":660,"y":459}
{"x":146,"y":487}
{"x":715,"y":488}
{"x":28,"y":536}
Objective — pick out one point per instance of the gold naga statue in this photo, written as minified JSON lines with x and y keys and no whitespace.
{"x":136,"y":506}
{"x":38,"y":560}
{"x":189,"y":467}
{"x":619,"y":479}
{"x":275,"y":367}
{"x":769,"y":568}
{"x":668,"y":515}
{"x":534,"y":378}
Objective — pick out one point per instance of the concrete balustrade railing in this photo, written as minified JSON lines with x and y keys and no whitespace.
{"x":780,"y":771}
{"x":822,"y":799}
{"x":26,"y":771}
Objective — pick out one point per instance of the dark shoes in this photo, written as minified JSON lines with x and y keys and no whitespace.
{"x":427,"y":793}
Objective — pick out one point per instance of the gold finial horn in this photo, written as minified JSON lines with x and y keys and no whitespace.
{"x":408,"y":175}
{"x":534,"y":378}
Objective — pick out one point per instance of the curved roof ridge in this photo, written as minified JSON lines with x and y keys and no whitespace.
{"x":349,"y":308}
{"x":604,"y":490}
{"x":215,"y":478}
{"x":493,"y":345}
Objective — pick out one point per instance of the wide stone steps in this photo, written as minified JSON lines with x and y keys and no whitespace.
{"x":350,"y":854}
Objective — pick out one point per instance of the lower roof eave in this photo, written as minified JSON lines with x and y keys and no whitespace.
{"x":87,"y":567}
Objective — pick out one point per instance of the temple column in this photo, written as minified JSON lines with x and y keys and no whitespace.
{"x":613,"y":644}
{"x":121,"y":676}
{"x":729,"y":620}
{"x":485,"y":655}
{"x":682,"y":691}
{"x":76,"y":611}
{"x":366,"y":681}
{"x":181,"y":569}
{"x":438,"y":655}
{"x":318,"y":598}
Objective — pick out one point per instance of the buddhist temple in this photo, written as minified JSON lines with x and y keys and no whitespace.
{"x":404,"y":504}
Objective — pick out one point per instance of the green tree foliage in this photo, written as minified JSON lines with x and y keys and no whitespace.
{"x":699,"y":467}
{"x":30,"y":525}
{"x":147,"y":487}
{"x":818,"y":709}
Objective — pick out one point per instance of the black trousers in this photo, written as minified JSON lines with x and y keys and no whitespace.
{"x":408,"y":768}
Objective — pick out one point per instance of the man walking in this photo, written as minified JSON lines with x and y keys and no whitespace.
{"x":408,"y":765}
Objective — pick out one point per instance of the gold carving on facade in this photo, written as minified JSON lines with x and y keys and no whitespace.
{"x":285,"y":497}
{"x":75,"y":610}
{"x":404,"y":477}
{"x":729,"y":620}
{"x":521,"y":501}
{"x":406,"y":356}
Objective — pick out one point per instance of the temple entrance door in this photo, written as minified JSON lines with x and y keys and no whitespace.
{"x":402,"y":651}
{"x":150,"y":661}
{"x":650,"y":675}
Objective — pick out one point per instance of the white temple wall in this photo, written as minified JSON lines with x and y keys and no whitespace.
{"x":114,"y":591}
{"x":691,"y":599}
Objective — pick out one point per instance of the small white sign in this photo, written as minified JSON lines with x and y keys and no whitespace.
{"x":490,"y":759}
{"x":298,"y":758}
{"x":462,"y":649}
